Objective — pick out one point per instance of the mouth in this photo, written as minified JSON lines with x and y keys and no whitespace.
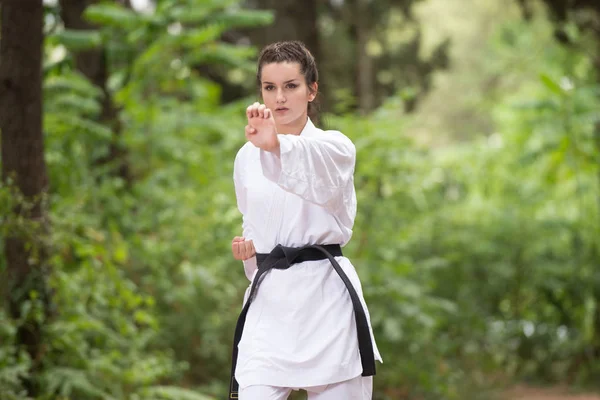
{"x":281,"y":109}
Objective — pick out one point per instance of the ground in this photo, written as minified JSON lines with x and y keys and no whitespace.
{"x":528,"y":393}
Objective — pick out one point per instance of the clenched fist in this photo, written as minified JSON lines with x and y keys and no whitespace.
{"x":242,"y":249}
{"x":261,"y":129}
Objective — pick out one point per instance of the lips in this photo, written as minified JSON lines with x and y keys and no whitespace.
{"x":281,"y":109}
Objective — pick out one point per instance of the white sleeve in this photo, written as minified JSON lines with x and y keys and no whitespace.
{"x":250,"y":265}
{"x":318,"y":169}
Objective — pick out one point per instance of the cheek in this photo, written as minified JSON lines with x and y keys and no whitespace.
{"x":301,"y":96}
{"x":268,"y":96}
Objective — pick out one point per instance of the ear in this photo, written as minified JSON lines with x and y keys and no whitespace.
{"x":313,"y":91}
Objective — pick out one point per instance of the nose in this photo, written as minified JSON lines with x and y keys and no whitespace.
{"x":280,"y":97}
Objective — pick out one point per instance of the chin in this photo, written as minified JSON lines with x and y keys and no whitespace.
{"x":289,"y":119}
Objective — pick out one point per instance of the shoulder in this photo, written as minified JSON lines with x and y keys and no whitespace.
{"x":243,"y":158}
{"x":336,"y":137}
{"x":330,"y":134}
{"x":245,"y":152}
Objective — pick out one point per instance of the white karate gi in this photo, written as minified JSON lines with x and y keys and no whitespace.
{"x":300,"y":329}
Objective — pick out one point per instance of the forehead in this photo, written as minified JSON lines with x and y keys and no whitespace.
{"x":281,"y":72}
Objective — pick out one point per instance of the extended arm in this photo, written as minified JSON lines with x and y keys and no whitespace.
{"x":317,"y":169}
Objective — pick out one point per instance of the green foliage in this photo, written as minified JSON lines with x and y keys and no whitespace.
{"x":78,"y":40}
{"x":112,"y":15}
{"x":14,"y":364}
{"x":135,"y":305}
{"x":479,"y":259}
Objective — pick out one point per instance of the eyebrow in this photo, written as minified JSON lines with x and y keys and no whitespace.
{"x":271,"y":83}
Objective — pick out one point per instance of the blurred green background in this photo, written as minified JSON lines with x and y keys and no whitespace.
{"x":477,"y":239}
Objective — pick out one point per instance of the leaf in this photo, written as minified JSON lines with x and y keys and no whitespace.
{"x":536,"y":105}
{"x":77,"y":40}
{"x":244,"y":18}
{"x":121,"y":253}
{"x":112,"y":15}
{"x":550,"y":84}
{"x":78,"y":104}
{"x":189,"y":15}
{"x":66,"y":380}
{"x":198,"y":37}
{"x":72,"y":82}
{"x":90,"y":126}
{"x":223,"y":54}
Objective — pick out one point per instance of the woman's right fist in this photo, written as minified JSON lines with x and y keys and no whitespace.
{"x":242,"y":249}
{"x":261,"y":129}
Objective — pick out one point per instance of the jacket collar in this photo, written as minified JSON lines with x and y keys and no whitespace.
{"x":308,"y":129}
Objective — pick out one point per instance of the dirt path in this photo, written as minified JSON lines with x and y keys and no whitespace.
{"x":528,"y":393}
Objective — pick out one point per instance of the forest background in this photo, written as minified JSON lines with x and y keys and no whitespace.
{"x":477,"y":126}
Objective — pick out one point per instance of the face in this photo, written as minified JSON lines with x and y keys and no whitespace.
{"x":284,"y":91}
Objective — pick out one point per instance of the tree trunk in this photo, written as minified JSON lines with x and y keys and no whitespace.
{"x":294,"y":20}
{"x":93,"y":64}
{"x":23,"y":166}
{"x":364,"y":63}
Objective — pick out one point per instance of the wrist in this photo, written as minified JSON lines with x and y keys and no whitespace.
{"x":275,"y":146}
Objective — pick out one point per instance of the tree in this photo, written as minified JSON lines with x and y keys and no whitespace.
{"x":24,"y":169}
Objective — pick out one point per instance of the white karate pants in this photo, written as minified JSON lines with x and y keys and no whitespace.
{"x":359,"y":388}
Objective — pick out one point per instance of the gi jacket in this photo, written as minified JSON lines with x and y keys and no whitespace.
{"x":300,"y":329}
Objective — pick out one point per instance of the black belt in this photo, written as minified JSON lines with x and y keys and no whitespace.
{"x":282,"y":258}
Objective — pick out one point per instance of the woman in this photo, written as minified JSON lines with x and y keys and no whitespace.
{"x":307,"y":327}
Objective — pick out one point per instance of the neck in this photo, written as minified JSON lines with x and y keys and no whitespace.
{"x":295,"y":127}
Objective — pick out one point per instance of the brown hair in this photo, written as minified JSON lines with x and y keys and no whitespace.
{"x":291,"y":51}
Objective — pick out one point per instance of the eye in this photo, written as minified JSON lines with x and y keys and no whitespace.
{"x":269,"y":87}
{"x":292,"y":86}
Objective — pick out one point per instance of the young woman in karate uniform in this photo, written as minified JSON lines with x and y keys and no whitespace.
{"x":294,"y":186}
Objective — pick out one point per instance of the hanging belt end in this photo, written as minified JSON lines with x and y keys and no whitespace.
{"x":233,"y":390}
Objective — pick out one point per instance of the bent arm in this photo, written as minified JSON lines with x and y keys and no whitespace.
{"x":250,"y":265}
